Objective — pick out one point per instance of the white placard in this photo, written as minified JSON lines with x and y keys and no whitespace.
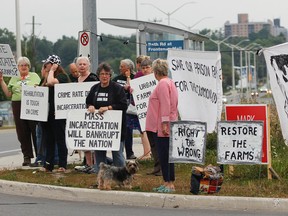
{"x":34,"y":103}
{"x":142,"y":89}
{"x":240,"y":142}
{"x":276,"y":58}
{"x":8,"y":65}
{"x":198,"y":78}
{"x":92,"y":131}
{"x":71,"y":96}
{"x":187,"y":142}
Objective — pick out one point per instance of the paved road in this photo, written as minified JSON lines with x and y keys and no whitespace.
{"x":21,"y":205}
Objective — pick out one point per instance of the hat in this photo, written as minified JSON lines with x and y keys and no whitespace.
{"x":53,"y":59}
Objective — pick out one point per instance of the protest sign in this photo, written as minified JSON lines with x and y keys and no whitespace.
{"x":251,"y":112}
{"x":70,"y":96}
{"x":276,"y":58}
{"x":93,"y":131}
{"x":34,"y":103}
{"x":142,"y":89}
{"x":198,"y":79}
{"x":240,"y":142}
{"x":8,"y":64}
{"x":187,"y":142}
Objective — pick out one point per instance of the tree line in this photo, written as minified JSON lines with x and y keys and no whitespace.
{"x":113,"y":48}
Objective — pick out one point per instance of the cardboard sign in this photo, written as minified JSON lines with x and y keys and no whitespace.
{"x":240,"y":142}
{"x":93,"y":131}
{"x":8,"y":65}
{"x":187,"y":142}
{"x":71,"y":96}
{"x":142,"y":89}
{"x":34,"y":103}
{"x":250,"y":112}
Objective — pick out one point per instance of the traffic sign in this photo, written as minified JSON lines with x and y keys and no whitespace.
{"x":84,"y":43}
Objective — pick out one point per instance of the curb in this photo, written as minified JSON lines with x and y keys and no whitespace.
{"x":144,"y":199}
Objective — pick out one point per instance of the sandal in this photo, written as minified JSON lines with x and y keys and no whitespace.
{"x":161,"y":187}
{"x":166,"y":190}
{"x":61,"y":169}
{"x":146,"y":156}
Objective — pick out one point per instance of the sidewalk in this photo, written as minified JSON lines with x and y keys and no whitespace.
{"x":153,"y":199}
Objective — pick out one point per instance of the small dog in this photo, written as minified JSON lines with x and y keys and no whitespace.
{"x":122,"y":176}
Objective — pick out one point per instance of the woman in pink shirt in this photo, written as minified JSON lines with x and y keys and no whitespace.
{"x":162,"y":109}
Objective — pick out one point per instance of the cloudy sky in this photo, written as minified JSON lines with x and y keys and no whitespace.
{"x":55,"y":18}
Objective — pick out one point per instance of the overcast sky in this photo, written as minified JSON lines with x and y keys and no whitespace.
{"x":55,"y":18}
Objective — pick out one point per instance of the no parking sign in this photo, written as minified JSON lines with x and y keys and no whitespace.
{"x":84,"y":43}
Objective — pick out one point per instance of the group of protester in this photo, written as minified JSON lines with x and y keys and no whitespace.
{"x":108,"y":94}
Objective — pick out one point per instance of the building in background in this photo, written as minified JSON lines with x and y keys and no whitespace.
{"x":243,"y":28}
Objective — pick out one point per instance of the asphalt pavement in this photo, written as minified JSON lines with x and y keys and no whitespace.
{"x":128,"y":198}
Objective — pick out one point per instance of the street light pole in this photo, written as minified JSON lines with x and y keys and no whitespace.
{"x":168,"y":14}
{"x":190,"y":27}
{"x":219,"y":42}
{"x":137,"y":31}
{"x":233,"y":68}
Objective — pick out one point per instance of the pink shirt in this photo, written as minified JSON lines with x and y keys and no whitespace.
{"x":162,"y":106}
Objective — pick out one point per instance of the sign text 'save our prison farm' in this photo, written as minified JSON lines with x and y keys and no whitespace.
{"x":198,"y":79}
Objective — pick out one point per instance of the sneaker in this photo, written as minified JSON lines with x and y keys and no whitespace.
{"x":80,"y":168}
{"x":132,"y":157}
{"x":92,"y":171}
{"x":36,"y":164}
{"x":87,"y":169}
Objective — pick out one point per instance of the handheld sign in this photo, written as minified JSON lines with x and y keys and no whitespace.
{"x":71,"y":96}
{"x":34,"y":103}
{"x":142,"y":89}
{"x":93,"y":131}
{"x":8,"y":64}
{"x":187,"y":142}
{"x":240,"y":142}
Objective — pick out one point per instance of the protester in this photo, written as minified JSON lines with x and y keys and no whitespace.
{"x":146,"y":69}
{"x":41,"y":148}
{"x":83,"y":67}
{"x":108,"y":95}
{"x":162,"y":109}
{"x":74,"y":73}
{"x":126,"y":74}
{"x":25,"y":129}
{"x":147,"y":65}
{"x":53,"y":131}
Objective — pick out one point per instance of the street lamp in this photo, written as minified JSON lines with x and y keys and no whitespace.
{"x":219,"y":42}
{"x":233,"y":68}
{"x":190,"y":27}
{"x":168,"y":13}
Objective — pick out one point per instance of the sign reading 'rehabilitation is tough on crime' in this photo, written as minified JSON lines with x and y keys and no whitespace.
{"x":187,"y":142}
{"x":240,"y":142}
{"x":94,"y":131}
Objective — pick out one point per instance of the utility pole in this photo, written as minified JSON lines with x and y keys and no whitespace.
{"x":90,"y":24}
{"x":33,"y":41}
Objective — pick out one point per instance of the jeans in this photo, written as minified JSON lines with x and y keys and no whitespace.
{"x":41,"y":150}
{"x":118,"y":157}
